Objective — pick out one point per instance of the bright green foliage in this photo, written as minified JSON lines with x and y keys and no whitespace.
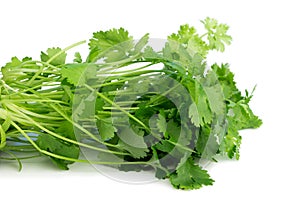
{"x":217,"y":34}
{"x":161,"y":123}
{"x":190,"y":176}
{"x":239,"y":114}
{"x":130,"y":106}
{"x":133,"y":143}
{"x":106,"y":128}
{"x":77,"y":58}
{"x":55,"y":55}
{"x":106,"y":42}
{"x":79,"y":74}
{"x":49,"y":143}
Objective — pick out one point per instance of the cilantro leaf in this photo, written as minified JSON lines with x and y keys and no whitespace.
{"x":239,"y":115}
{"x":150,"y":54}
{"x":187,"y":37}
{"x":66,"y":129}
{"x":77,"y":58}
{"x":15,"y":62}
{"x":217,"y":34}
{"x":132,"y":143}
{"x":115,"y":41}
{"x":12,"y":72}
{"x":79,"y":74}
{"x":175,"y":52}
{"x":200,"y":108}
{"x":215,"y":99}
{"x":106,"y":128}
{"x":162,"y":123}
{"x":226,"y":79}
{"x":164,"y":146}
{"x":141,"y":44}
{"x":190,"y":176}
{"x":184,"y":34}
{"x":137,"y":151}
{"x":52,"y":52}
{"x":49,"y":143}
{"x":194,"y":115}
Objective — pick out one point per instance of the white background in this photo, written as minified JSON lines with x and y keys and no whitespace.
{"x":265,"y":51}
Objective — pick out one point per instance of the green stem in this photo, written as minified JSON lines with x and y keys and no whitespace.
{"x":15,"y":158}
{"x":35,"y":62}
{"x":64,"y":50}
{"x":33,"y":122}
{"x":82,"y":129}
{"x":119,"y":108}
{"x":19,"y":158}
{"x":80,"y":160}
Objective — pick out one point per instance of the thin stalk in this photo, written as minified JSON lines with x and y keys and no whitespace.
{"x":64,"y":50}
{"x":116,"y":108}
{"x":67,"y":139}
{"x":81,"y":160}
{"x":119,"y":108}
{"x":38,"y":62}
{"x":28,"y":70}
{"x":15,"y":158}
{"x":82,"y":129}
{"x":19,"y":158}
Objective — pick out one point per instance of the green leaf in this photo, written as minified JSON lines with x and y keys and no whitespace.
{"x":15,"y":62}
{"x":203,"y":138}
{"x":217,"y":34}
{"x":243,"y":117}
{"x":49,"y":143}
{"x":162,"y":123}
{"x":51,"y":52}
{"x":180,"y":134}
{"x":77,"y":58}
{"x":173,"y":129}
{"x":194,"y":115}
{"x":239,"y":117}
{"x":216,"y":99}
{"x":149,"y":53}
{"x":136,"y":151}
{"x":188,"y":38}
{"x":132,"y":143}
{"x":238,"y":110}
{"x":112,"y":44}
{"x":84,"y":106}
{"x":184,"y":34}
{"x":12,"y":70}
{"x":199,"y":110}
{"x":190,"y":176}
{"x":106,"y":128}
{"x":226,"y":79}
{"x":197,"y":66}
{"x":231,"y":143}
{"x":79,"y":74}
{"x":196,"y":46}
{"x":66,"y":129}
{"x":203,"y":108}
{"x":141,"y":44}
{"x":164,"y":146}
{"x":177,"y":53}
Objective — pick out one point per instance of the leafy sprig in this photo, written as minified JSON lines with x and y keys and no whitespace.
{"x":132,"y":106}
